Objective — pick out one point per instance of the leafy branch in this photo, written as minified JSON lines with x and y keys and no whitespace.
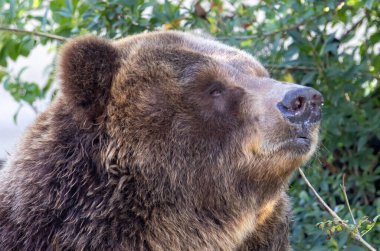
{"x":34,"y":33}
{"x":270,"y":66}
{"x":355,"y":233}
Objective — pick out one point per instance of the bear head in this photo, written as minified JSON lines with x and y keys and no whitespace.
{"x":186,"y":112}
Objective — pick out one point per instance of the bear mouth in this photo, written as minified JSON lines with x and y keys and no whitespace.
{"x":298,"y":145}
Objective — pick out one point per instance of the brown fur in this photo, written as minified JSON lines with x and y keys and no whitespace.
{"x":160,"y":141}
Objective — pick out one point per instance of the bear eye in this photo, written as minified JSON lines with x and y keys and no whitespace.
{"x":216,"y":90}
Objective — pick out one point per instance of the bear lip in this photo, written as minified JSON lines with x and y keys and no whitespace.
{"x":302,"y":140}
{"x":299,"y":144}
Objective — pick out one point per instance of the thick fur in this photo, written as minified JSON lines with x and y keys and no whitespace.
{"x":141,"y":152}
{"x":88,"y":66}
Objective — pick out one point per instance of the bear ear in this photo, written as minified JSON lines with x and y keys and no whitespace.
{"x":87,"y":66}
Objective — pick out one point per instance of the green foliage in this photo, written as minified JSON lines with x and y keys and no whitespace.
{"x":330,"y":45}
{"x":331,"y":226}
{"x":362,"y":227}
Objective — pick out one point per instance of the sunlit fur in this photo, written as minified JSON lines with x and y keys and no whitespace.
{"x":135,"y":153}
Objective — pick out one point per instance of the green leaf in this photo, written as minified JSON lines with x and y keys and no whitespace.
{"x":362,"y":141}
{"x":308,"y":78}
{"x":369,"y":4}
{"x":16,"y":114}
{"x":69,"y":6}
{"x":353,"y":2}
{"x":370,"y":226}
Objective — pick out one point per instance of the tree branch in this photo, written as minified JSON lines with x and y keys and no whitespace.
{"x":353,"y":27}
{"x":34,"y":33}
{"x":357,"y":236}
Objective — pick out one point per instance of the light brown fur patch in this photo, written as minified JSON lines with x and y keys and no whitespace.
{"x":266,"y":211}
{"x":244,"y":226}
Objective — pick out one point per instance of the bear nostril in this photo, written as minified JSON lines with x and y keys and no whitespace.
{"x":316,"y":100}
{"x":298,"y":103}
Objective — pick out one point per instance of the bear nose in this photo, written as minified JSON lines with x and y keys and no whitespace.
{"x":302,"y":105}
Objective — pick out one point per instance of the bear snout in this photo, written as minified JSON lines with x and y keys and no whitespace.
{"x":301,"y":105}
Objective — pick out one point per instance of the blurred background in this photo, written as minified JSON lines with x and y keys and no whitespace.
{"x":332,"y":46}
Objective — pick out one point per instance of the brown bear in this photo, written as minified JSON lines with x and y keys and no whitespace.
{"x":159,"y":141}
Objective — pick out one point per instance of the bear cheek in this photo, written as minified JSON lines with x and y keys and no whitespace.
{"x":252,"y":115}
{"x":266,"y":119}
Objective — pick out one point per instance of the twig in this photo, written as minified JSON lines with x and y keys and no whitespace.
{"x":357,"y":236}
{"x":353,"y":27}
{"x":290,"y":67}
{"x":34,"y":108}
{"x":34,"y":33}
{"x":343,"y":187}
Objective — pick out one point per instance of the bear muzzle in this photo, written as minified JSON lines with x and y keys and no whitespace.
{"x":301,"y":107}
